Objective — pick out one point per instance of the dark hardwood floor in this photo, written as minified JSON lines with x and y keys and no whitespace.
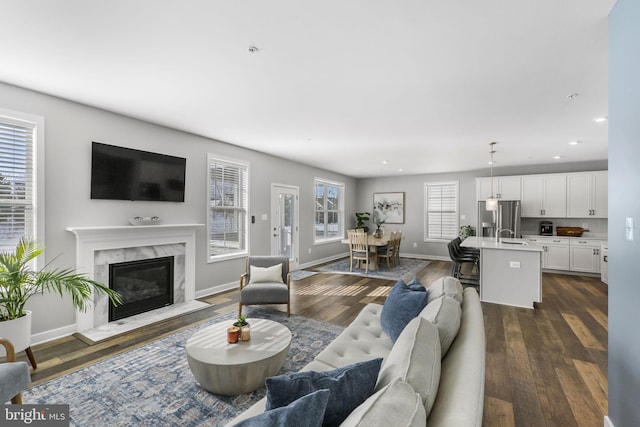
{"x":545,"y":367}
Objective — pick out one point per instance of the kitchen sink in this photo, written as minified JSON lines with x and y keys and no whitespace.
{"x":515,"y":242}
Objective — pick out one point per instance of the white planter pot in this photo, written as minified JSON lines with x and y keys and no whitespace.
{"x":18,"y":331}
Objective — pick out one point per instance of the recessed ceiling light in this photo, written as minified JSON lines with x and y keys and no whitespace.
{"x":574,"y":142}
{"x":557,"y":157}
{"x":400,"y":170}
{"x":600,"y":119}
{"x":385,"y":162}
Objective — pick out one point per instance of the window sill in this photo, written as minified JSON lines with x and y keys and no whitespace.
{"x":220,"y":258}
{"x":327,"y":241}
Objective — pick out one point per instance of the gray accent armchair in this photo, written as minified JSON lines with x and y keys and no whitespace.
{"x":265,"y":292}
{"x":14,"y":376}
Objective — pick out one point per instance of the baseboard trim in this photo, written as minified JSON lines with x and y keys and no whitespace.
{"x":52,"y":334}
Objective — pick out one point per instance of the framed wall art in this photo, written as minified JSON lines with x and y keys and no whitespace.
{"x":389,"y":207}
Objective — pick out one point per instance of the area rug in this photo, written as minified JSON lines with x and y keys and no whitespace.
{"x":407,"y":270}
{"x":153,"y":386}
{"x":301,"y":274}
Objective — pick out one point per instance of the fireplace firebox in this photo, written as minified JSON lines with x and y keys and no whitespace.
{"x":145,"y":285}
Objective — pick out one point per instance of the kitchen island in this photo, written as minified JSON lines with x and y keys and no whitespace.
{"x":510,"y":270}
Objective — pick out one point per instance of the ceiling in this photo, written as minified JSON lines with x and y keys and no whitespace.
{"x":344,"y":85}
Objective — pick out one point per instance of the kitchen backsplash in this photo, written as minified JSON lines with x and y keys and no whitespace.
{"x":597,"y":226}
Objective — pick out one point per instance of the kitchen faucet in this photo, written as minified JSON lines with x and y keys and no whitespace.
{"x":500,"y":230}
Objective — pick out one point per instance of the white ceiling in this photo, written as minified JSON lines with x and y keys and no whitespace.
{"x":339,"y":84}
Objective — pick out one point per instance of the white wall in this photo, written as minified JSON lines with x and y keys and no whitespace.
{"x":624,"y":202}
{"x":413,"y":186}
{"x":70,"y":128}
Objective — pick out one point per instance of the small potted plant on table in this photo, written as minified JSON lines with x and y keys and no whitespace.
{"x":245,"y":332}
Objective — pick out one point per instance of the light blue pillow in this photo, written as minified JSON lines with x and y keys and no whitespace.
{"x":403,"y":304}
{"x":306,"y":411}
{"x":349,"y":386}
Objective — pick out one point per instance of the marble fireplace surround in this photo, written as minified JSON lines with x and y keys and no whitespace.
{"x":97,"y":247}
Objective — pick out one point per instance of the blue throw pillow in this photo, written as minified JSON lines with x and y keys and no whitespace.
{"x":349,"y":386}
{"x":415,"y":285}
{"x":306,"y":411}
{"x":403,"y":304}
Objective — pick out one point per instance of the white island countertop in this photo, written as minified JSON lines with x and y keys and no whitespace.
{"x":503,"y":244}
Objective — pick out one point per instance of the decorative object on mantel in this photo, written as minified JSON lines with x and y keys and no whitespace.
{"x":492,"y":202}
{"x":389,"y":207}
{"x":19,"y":282}
{"x":145,"y":220}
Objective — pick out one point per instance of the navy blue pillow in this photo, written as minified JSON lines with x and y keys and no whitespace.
{"x":401,"y":306}
{"x":350,"y":386}
{"x":306,"y":411}
{"x":415,"y":285}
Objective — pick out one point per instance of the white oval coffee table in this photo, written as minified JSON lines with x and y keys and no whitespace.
{"x":232,"y":369}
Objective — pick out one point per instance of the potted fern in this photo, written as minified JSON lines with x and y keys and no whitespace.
{"x":19,"y":282}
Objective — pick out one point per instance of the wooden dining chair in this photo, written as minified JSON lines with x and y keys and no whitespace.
{"x":396,"y":252}
{"x":388,"y":252}
{"x":359,"y":249}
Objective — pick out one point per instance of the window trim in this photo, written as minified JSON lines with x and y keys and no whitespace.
{"x":37,"y":123}
{"x":341,"y":211}
{"x":426,"y":237}
{"x":241,"y":163}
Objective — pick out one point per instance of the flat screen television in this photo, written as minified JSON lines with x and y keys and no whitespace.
{"x":119,"y":173}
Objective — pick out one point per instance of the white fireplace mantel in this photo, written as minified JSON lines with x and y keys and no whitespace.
{"x":92,"y":239}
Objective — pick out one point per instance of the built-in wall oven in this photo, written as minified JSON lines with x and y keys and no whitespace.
{"x":604,"y":262}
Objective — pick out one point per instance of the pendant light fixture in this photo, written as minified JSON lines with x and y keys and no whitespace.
{"x":491,"y":203}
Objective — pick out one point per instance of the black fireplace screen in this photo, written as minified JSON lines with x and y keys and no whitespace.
{"x":144,"y":285}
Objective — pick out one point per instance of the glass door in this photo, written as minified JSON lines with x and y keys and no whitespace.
{"x":284,"y":222}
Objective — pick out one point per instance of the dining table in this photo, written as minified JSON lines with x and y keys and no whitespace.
{"x":374,"y":243}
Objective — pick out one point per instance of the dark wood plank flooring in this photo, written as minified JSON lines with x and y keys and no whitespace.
{"x":545,"y":367}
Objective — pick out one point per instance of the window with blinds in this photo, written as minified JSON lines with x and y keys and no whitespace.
{"x":228,"y":189}
{"x":329,"y":211}
{"x":16,"y":182}
{"x":441,"y":211}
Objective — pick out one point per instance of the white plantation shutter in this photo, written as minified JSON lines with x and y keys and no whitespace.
{"x":228,"y":208}
{"x":16,"y":183}
{"x":441,"y":210}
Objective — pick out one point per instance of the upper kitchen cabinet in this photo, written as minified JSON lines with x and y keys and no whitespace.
{"x":587,"y":195}
{"x":544,"y":196}
{"x":504,"y":187}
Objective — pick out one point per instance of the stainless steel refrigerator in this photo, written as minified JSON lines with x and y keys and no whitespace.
{"x":506,"y":217}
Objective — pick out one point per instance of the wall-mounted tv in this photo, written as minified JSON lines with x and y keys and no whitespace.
{"x":119,"y":173}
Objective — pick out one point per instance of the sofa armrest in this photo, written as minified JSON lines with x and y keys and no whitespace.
{"x":460,"y":399}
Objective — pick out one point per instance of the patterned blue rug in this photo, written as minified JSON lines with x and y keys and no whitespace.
{"x":153,"y":386}
{"x":406,"y":270}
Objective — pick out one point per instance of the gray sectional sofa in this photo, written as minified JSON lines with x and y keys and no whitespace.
{"x":433,"y":374}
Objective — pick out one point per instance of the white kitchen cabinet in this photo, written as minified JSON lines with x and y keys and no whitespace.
{"x":544,"y":196}
{"x":555,"y":252}
{"x":504,"y":187}
{"x":585,"y":255}
{"x":587,"y":195}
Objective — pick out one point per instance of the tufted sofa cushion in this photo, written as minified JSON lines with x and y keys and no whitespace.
{"x":363,"y":339}
{"x":445,"y":313}
{"x":415,"y":359}
{"x":396,"y":405}
{"x":445,"y":286}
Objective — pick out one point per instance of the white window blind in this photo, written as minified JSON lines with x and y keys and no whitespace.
{"x":441,"y":211}
{"x":329,"y":211}
{"x":228,"y":208}
{"x":16,"y":183}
